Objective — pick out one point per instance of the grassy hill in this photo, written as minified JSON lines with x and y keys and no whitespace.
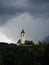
{"x":11,"y":54}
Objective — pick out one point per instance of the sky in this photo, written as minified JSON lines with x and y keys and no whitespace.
{"x":30,"y":15}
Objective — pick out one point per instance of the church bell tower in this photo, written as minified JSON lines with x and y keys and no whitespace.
{"x":22,"y":37}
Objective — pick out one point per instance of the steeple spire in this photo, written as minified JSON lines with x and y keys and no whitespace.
{"x":22,"y":31}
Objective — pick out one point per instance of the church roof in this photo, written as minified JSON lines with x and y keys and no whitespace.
{"x":19,"y":41}
{"x":27,"y":42}
{"x":22,"y":31}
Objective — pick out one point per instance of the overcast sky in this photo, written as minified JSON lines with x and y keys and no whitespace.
{"x":30,"y":15}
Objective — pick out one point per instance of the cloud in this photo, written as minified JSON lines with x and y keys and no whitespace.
{"x":35,"y":28}
{"x":32,"y":15}
{"x":12,"y":8}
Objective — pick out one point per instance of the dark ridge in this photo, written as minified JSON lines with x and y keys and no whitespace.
{"x":3,"y":43}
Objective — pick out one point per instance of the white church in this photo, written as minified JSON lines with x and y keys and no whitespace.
{"x":22,"y":40}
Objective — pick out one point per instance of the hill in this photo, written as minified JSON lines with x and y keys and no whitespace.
{"x":11,"y":54}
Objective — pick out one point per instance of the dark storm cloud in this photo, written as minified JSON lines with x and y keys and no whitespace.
{"x":41,"y":1}
{"x":39,"y":7}
{"x":9,"y":8}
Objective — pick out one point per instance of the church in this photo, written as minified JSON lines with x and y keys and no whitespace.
{"x":22,"y":40}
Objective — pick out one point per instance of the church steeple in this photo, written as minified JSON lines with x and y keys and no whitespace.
{"x":22,"y":37}
{"x":22,"y":40}
{"x":22,"y":31}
